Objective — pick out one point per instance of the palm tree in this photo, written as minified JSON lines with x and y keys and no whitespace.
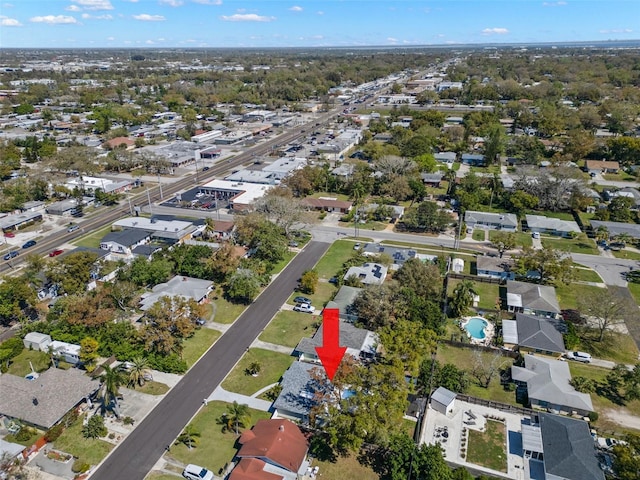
{"x":462,"y":298}
{"x":112,"y":380}
{"x":210,"y":224}
{"x":237,"y":416}
{"x":602,"y":234}
{"x":138,"y":370}
{"x":189,"y":436}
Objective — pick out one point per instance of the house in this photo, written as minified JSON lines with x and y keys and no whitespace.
{"x":568,"y":449}
{"x":272,"y":450}
{"x":475,"y":160}
{"x":37,"y":341}
{"x":328,"y":204}
{"x":222,"y":230}
{"x":118,"y":142}
{"x":10,"y":451}
{"x":162,"y":229}
{"x":343,"y":301}
{"x":532,"y":299}
{"x":632,"y":193}
{"x":492,"y":221}
{"x":397,"y":211}
{"x":42,"y":402}
{"x":552,"y":226}
{"x":68,"y":352}
{"x":495,"y":267}
{"x":146,"y":251}
{"x":360,"y":343}
{"x":432,"y":179}
{"x":531,"y":334}
{"x":399,"y":255}
{"x":445,"y":157}
{"x":618,"y":228}
{"x":298,"y":394}
{"x":601,"y":166}
{"x":443,"y":401}
{"x":178,"y":286}
{"x":124,"y":241}
{"x":368,"y":274}
{"x":547,"y":384}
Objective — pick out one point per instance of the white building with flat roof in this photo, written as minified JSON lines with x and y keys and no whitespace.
{"x":240,"y":195}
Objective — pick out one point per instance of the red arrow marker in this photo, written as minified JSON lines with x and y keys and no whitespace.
{"x":330,"y":353}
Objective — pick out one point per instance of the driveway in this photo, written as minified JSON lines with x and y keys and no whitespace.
{"x":138,"y":452}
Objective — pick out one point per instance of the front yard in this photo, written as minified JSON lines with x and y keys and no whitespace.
{"x":93,"y":239}
{"x":225,"y":311}
{"x":332,"y":261}
{"x":287,"y":328}
{"x":580,"y":244}
{"x":626,"y":254}
{"x":87,"y":450}
{"x":196,"y":345}
{"x":569,"y":295}
{"x":489,"y":448}
{"x":272,"y":366}
{"x":215,"y":448}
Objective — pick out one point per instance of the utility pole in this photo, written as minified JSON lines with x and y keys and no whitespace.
{"x":160,"y":185}
{"x":149,"y":200}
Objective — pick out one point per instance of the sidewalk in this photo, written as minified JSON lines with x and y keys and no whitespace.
{"x":230,"y":397}
{"x":272,"y":346}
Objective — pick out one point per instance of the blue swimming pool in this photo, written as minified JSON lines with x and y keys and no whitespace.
{"x":475,"y":326}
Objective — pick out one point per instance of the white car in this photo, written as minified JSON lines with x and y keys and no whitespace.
{"x":304,"y":308}
{"x":579,"y":357}
{"x":195,"y":472}
{"x":609,"y":443}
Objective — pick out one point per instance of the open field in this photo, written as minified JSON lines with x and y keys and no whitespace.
{"x":273,"y":365}
{"x":332,"y":261}
{"x":287,"y":328}
{"x":616,"y":347}
{"x":215,"y":448}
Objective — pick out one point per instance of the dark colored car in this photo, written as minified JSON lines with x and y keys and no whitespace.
{"x":56,"y":252}
{"x":205,"y":169}
{"x":29,"y":244}
{"x":11,"y":255}
{"x":301,"y":299}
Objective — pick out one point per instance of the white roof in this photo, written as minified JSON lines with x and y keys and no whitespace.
{"x":37,"y":337}
{"x":443,"y":396}
{"x":64,"y":347}
{"x":514,"y":300}
{"x":154,"y":226}
{"x":247,"y":192}
{"x":549,"y":223}
{"x":510,"y":331}
{"x":531,"y":438}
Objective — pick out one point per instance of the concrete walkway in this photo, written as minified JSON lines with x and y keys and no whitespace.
{"x":230,"y":397}
{"x":221,"y":327}
{"x":272,"y":346}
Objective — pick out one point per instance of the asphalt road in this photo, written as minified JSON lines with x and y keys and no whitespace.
{"x":138,"y":453}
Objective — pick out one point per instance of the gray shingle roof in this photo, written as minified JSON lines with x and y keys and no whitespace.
{"x":344,"y":298}
{"x":443,"y":396}
{"x":548,"y":380}
{"x":534,"y":296}
{"x":616,"y":228}
{"x":126,"y":237}
{"x":47,"y":399}
{"x":539,"y":333}
{"x":298,"y":389}
{"x":569,"y":449}
{"x":540,"y":222}
{"x":354,"y":338}
{"x":509,"y":220}
{"x":178,"y":286}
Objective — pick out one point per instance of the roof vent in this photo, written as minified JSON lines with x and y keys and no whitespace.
{"x":281,"y":428}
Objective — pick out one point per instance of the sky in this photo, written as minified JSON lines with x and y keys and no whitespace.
{"x":308,"y":23}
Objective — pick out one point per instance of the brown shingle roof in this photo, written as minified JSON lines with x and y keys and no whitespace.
{"x":116,"y":142}
{"x":327,"y":203}
{"x":252,"y":469}
{"x":601,"y":165}
{"x":278,"y":441}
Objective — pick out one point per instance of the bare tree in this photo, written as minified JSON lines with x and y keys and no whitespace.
{"x":604,"y":311}
{"x":484,"y":371}
{"x":282,"y":209}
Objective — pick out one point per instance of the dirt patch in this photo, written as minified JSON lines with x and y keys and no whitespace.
{"x":622,"y":416}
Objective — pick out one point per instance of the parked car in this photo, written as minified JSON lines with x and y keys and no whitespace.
{"x":535,"y":234}
{"x":301,"y":299}
{"x":73,"y":228}
{"x":304,"y":308}
{"x":29,"y":244}
{"x":293,"y":244}
{"x":356,"y":246}
{"x":205,"y":169}
{"x":579,"y":357}
{"x":9,"y":234}
{"x":56,"y":252}
{"x":609,"y":443}
{"x":11,"y":255}
{"x":195,"y":472}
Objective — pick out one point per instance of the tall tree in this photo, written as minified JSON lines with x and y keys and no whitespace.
{"x":138,"y":369}
{"x":236,"y":417}
{"x":551,"y":265}
{"x":462,"y":298}
{"x":604,"y":310}
{"x":112,"y":379}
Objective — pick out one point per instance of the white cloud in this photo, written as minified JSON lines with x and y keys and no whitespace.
{"x":111,"y":39}
{"x":320,"y":12}
{"x":172,"y":3}
{"x":7,"y":5}
{"x":86,"y":16}
{"x":9,"y":22}
{"x":145,"y":17}
{"x":392,"y":40}
{"x":94,"y":4}
{"x":617,"y":30}
{"x":495,"y":31}
{"x":554,"y":4}
{"x":54,"y":19}
{"x":246,"y":17}
{"x":73,"y":8}
{"x":296,"y":8}
{"x":208,"y":2}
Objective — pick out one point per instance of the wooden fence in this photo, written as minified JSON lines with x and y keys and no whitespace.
{"x":505,"y":407}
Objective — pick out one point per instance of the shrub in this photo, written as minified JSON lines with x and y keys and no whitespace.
{"x":95,"y":427}
{"x":24,"y":434}
{"x":54,"y":433}
{"x":309,"y":281}
{"x":274,"y":392}
{"x":80,"y":466}
{"x":127,"y":421}
{"x":593,"y":416}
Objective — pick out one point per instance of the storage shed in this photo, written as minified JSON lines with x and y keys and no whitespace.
{"x":37,"y":341}
{"x":443,"y":400}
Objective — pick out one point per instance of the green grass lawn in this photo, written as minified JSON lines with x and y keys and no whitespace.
{"x":273,"y":365}
{"x":344,"y":467}
{"x":89,"y":450}
{"x":332,"y":261}
{"x":161,"y":476}
{"x":550,"y":214}
{"x":617,"y":347}
{"x":619,"y":177}
{"x":153,"y":388}
{"x":215,"y":449}
{"x":195,"y":346}
{"x":368,"y":225}
{"x":626,"y":254}
{"x":338,"y":196}
{"x":522,"y":238}
{"x":226,"y":311}
{"x":478,"y":235}
{"x":489,"y":448}
{"x":29,"y":441}
{"x":464,"y":358}
{"x":489,"y":293}
{"x":93,"y":239}
{"x":568,"y":295}
{"x":324,"y":292}
{"x":586,"y":275}
{"x":634,"y":288}
{"x":287,"y":328}
{"x":580,"y":244}
{"x":278,"y":267}
{"x":20,"y":365}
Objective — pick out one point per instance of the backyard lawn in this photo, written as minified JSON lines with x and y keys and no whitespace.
{"x":287,"y":328}
{"x":21,"y":365}
{"x":332,"y":261}
{"x":580,"y":244}
{"x":489,"y":448}
{"x":273,"y":365}
{"x":89,"y":450}
{"x":344,"y":467}
{"x":196,"y":345}
{"x":215,"y":449}
{"x":93,"y":240}
{"x":568,"y":295}
{"x":489,"y":293}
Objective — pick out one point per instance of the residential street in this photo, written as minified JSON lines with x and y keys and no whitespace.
{"x":138,"y":453}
